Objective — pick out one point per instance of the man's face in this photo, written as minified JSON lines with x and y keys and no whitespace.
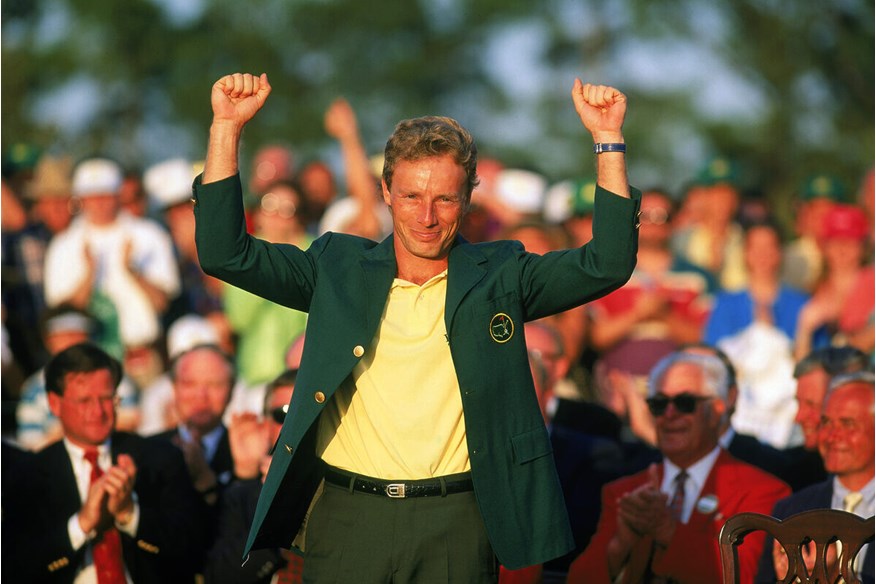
{"x":202,"y":389}
{"x":54,"y":212}
{"x":686,"y":438}
{"x":846,"y":434}
{"x":87,"y":410}
{"x":427,"y":202}
{"x":763,"y":251}
{"x":811,"y":389}
{"x":100,"y":209}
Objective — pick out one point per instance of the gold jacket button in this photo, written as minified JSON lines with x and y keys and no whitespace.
{"x":319,"y":397}
{"x":358,"y":350}
{"x":288,"y":449}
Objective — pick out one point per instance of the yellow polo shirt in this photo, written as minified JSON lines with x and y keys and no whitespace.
{"x":399,"y":416}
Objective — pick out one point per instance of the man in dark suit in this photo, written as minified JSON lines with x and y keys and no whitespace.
{"x":662,"y":524}
{"x":112,"y":504}
{"x":412,"y":343}
{"x":846,"y":443}
{"x":203,"y":378}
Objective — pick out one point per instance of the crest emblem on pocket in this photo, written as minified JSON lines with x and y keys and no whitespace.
{"x":501,"y":328}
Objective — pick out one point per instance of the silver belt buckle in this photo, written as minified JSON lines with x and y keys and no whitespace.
{"x":395,"y":490}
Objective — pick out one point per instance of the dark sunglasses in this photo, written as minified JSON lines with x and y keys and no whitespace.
{"x":279,"y":414}
{"x":685,"y":403}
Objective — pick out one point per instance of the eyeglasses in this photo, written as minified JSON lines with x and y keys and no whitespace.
{"x":654,"y":216}
{"x":271,"y":204}
{"x":279,"y":414}
{"x":685,"y":403}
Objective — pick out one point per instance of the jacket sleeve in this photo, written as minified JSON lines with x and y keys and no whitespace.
{"x":282,"y":273}
{"x":561,"y":280}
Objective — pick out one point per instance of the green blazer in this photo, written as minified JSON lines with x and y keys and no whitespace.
{"x":343,"y":282}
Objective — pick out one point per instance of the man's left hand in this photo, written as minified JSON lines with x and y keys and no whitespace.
{"x":119,"y":485}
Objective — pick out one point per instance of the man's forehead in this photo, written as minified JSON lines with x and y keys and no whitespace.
{"x":684,"y":373}
{"x":84,"y":381}
{"x":850,"y":400}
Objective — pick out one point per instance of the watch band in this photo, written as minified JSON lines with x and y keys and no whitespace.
{"x":601,"y":147}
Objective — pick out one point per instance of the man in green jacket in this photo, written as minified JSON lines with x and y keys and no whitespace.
{"x":414,"y":449}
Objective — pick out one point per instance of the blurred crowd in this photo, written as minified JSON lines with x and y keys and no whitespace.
{"x":93,"y":251}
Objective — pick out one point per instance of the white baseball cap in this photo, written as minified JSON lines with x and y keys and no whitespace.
{"x":97,"y":176}
{"x":169,"y":183}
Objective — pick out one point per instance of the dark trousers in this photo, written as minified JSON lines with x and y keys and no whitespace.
{"x":363,"y":538}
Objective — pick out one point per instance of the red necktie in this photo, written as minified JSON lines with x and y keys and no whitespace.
{"x":107,"y":547}
{"x":291,"y":572}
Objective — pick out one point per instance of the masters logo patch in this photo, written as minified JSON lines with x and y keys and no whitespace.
{"x":501,"y":328}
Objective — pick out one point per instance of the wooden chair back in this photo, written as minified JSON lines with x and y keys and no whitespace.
{"x":822,"y":526}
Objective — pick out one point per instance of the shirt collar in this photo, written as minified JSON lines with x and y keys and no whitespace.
{"x":77,"y":453}
{"x":698,"y":472}
{"x":865,"y":507}
{"x":401,"y":283}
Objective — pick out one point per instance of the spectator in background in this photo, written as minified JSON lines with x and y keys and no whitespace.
{"x":112,"y":504}
{"x":118,"y":267}
{"x":803,"y":260}
{"x":844,"y":243}
{"x":756,"y":326}
{"x":61,"y":327}
{"x":846,"y":443}
{"x":203,"y":378}
{"x":813,"y":374}
{"x":663,"y":306}
{"x":156,"y":399}
{"x":264,"y":329}
{"x":714,"y":241}
{"x":663,"y":523}
{"x":251,"y":440}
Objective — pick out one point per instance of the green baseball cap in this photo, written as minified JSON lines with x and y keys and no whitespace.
{"x":823,"y":185}
{"x":717,"y":170}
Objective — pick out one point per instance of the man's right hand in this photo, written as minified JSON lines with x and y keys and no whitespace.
{"x":238,"y":97}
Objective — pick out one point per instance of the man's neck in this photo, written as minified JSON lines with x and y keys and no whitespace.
{"x":856,"y":481}
{"x":417,"y":270}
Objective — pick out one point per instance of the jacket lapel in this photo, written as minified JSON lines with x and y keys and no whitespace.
{"x":465,"y":270}
{"x":379,"y":268}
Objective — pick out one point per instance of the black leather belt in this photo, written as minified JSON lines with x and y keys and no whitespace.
{"x":437,"y":487}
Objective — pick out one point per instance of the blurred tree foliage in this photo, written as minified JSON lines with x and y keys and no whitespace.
{"x":133,"y":78}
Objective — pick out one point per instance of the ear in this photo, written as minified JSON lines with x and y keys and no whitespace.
{"x":386,"y":197}
{"x":732,"y":396}
{"x":719,"y":408}
{"x":54,"y":403}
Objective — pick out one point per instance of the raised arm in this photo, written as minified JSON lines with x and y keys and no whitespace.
{"x":235,"y":99}
{"x":602,"y":110}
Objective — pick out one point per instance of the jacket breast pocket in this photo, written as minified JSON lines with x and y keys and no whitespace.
{"x":531,"y":445}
